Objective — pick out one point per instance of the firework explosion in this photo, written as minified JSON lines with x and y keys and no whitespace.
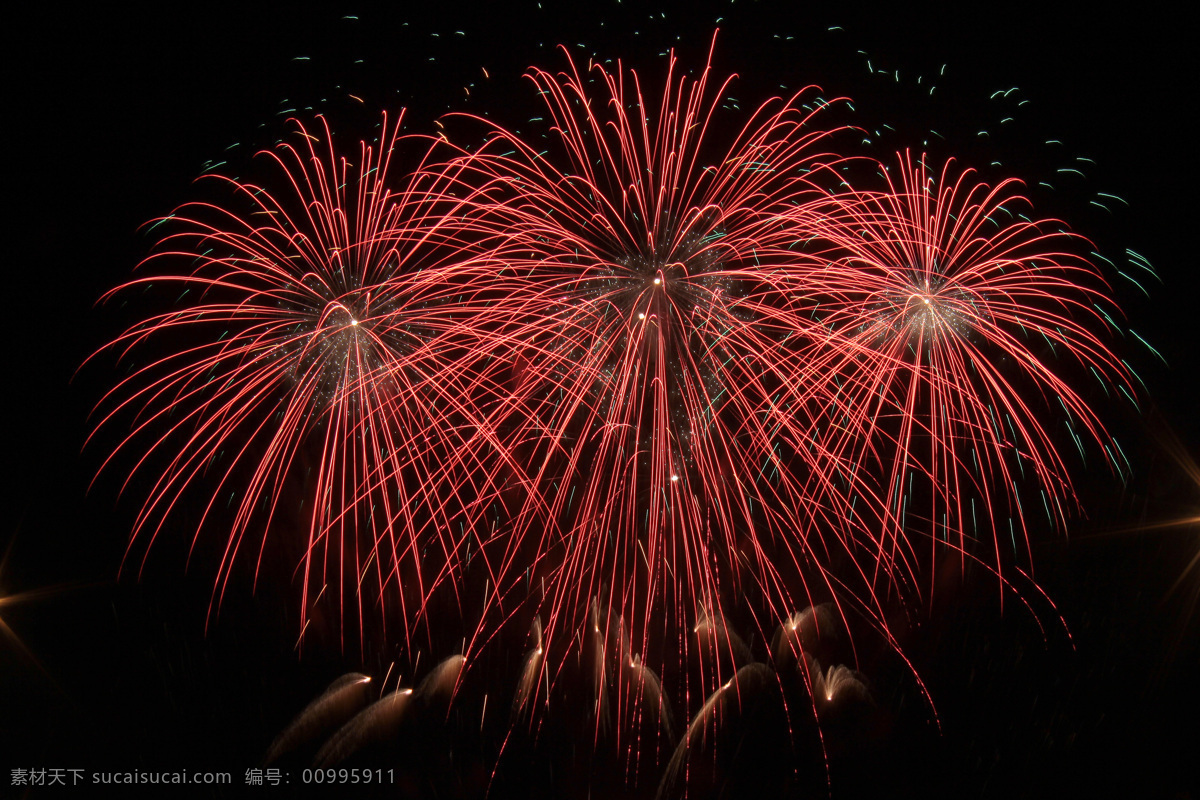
{"x":639,"y":378}
{"x":317,"y":340}
{"x":656,"y":306}
{"x":956,"y":318}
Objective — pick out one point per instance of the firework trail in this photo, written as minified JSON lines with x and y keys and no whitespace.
{"x":315,"y":350}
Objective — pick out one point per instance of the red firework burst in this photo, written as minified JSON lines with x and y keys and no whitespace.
{"x":657,"y":311}
{"x":956,"y":318}
{"x":643,"y":375}
{"x":312,"y":362}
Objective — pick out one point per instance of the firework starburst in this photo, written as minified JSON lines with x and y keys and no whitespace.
{"x":312,"y":364}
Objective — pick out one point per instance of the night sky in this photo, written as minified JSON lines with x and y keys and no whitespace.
{"x":116,"y":113}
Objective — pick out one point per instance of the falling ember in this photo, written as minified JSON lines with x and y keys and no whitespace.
{"x":439,"y":686}
{"x":378,"y":723}
{"x":344,"y":698}
{"x":730,"y":743}
{"x":803,"y":633}
{"x":528,"y":686}
{"x":839,"y":682}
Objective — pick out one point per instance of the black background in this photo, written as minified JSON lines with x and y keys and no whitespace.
{"x":113,"y":112}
